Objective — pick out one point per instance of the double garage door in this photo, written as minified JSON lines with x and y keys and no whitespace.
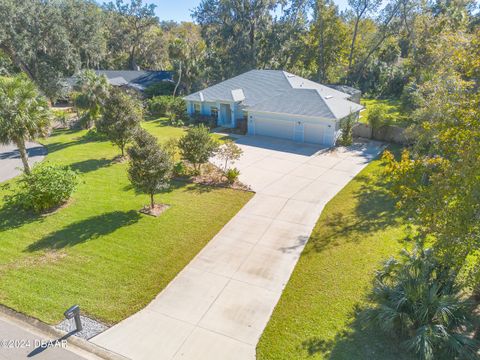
{"x":287,"y":129}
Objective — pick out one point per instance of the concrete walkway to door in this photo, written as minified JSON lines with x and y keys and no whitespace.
{"x":219,"y":305}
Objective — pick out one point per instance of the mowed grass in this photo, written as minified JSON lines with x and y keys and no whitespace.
{"x":317,"y":315}
{"x":99,"y":251}
{"x":392,"y":107}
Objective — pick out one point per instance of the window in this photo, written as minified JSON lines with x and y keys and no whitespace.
{"x":245,"y":115}
{"x":196,"y":108}
{"x":214,"y":111}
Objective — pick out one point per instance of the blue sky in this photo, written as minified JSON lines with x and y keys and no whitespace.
{"x":179,"y":10}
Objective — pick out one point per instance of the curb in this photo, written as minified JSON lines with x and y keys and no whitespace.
{"x":48,"y":330}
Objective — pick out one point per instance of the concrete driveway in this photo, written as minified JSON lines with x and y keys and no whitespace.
{"x":11,"y":163}
{"x":219,"y":305}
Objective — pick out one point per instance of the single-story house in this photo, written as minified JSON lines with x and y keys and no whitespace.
{"x":136,"y":79}
{"x":278,"y":104}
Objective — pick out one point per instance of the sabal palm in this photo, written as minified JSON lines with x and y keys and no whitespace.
{"x":419,"y":300}
{"x":93,"y":90}
{"x":24,"y":114}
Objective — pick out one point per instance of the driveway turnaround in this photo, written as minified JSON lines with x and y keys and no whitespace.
{"x":219,"y":305}
{"x":11,"y":163}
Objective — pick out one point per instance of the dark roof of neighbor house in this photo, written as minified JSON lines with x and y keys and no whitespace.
{"x":137,"y":79}
{"x":278,"y":91}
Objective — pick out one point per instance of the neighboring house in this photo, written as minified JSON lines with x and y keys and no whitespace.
{"x":276,"y":103}
{"x":135,"y":79}
{"x":139,"y":80}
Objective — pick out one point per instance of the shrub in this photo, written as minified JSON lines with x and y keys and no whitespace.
{"x":174,"y":108}
{"x":419,"y":300}
{"x":158,"y":105}
{"x":346,"y":125}
{"x":197,"y":146}
{"x":232,"y":175}
{"x":46,"y":187}
{"x":179,"y":169}
{"x":207,"y":120}
{"x":162,"y":88}
{"x":378,"y":117}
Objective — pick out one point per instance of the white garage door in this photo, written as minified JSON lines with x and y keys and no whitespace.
{"x":276,"y":128}
{"x":314,"y":133}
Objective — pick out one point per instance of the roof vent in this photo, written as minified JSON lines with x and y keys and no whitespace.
{"x":328,"y":97}
{"x":290,"y":75}
{"x":202,"y":98}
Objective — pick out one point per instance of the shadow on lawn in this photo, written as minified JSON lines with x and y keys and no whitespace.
{"x":375,"y":210}
{"x":80,"y":140}
{"x":360,"y":341}
{"x":85,"y":230}
{"x":12,"y":216}
{"x":90,"y":165}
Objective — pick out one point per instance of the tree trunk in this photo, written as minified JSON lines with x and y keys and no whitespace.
{"x":132,"y":61}
{"x":152,"y":202}
{"x":23,"y":154}
{"x":179,"y":80}
{"x":352,"y":46}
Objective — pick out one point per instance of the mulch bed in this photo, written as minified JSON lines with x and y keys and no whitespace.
{"x":158,"y":210}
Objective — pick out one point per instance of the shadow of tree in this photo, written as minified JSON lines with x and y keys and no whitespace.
{"x":359,"y":341}
{"x":13,"y":216}
{"x":85,"y":230}
{"x":86,"y":138}
{"x":90,"y":165}
{"x":375,"y":210}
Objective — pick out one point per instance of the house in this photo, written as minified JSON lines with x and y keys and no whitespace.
{"x":136,"y":79}
{"x":278,"y":104}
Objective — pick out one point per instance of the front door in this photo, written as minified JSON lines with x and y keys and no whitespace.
{"x":226,"y":114}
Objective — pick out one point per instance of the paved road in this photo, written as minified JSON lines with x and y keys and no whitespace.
{"x":20,"y":341}
{"x":10,"y":162}
{"x":218,"y":306}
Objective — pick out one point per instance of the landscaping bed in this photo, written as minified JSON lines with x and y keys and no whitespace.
{"x":98,"y":251}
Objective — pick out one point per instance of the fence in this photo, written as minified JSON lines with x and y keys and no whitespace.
{"x":389,"y":133}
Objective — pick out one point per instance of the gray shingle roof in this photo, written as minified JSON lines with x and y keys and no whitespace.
{"x":280,"y":92}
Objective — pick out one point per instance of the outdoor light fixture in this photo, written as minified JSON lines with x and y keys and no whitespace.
{"x":74,"y":312}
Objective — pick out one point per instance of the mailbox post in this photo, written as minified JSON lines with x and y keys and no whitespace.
{"x":74,"y":312}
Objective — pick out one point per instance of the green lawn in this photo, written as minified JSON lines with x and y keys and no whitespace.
{"x":99,"y":251}
{"x":316,"y":317}
{"x":393,"y":107}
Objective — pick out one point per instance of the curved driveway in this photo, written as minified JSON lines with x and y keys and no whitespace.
{"x":11,"y":163}
{"x":217,"y":307}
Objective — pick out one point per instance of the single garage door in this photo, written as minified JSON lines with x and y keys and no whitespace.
{"x":276,"y":128}
{"x":314,"y":133}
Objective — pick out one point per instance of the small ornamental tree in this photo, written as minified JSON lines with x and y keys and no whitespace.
{"x":197,"y":146}
{"x":150,"y":167}
{"x":346,"y":125}
{"x":121,"y":118}
{"x":229,"y":152}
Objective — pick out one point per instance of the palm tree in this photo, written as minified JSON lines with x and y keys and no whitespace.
{"x":93,"y":90}
{"x":419,"y":300}
{"x":24,"y":114}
